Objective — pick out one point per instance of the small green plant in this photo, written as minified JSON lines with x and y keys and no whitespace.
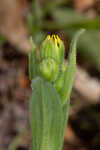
{"x":51,"y":82}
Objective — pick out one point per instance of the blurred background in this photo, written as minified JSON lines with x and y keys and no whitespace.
{"x":20,"y":19}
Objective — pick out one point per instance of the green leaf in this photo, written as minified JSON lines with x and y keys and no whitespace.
{"x":65,"y":110}
{"x":89,"y":24}
{"x":46,"y":116}
{"x":71,"y":67}
{"x":33,"y":64}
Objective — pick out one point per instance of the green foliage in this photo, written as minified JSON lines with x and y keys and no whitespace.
{"x":45,"y":116}
{"x":33,"y":62}
{"x":49,"y":107}
{"x":71,"y":67}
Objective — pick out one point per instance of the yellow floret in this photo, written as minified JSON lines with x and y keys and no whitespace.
{"x":54,"y":38}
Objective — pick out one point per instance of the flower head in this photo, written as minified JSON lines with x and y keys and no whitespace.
{"x":52,"y":47}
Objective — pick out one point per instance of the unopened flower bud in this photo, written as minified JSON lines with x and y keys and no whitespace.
{"x":49,"y":69}
{"x":52,"y":47}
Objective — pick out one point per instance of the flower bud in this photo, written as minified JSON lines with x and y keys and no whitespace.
{"x":49,"y":69}
{"x":52,"y":47}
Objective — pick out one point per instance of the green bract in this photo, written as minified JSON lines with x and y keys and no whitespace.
{"x":51,"y":82}
{"x":49,"y":69}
